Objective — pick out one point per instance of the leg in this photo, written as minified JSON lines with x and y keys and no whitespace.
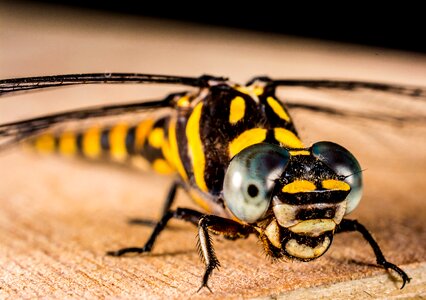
{"x":353,"y":225}
{"x":217,"y":225}
{"x":181,"y":213}
{"x":167,"y":204}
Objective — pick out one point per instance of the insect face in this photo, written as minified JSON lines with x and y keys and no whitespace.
{"x":296,"y":197}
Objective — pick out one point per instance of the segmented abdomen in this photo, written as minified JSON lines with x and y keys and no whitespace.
{"x":143,"y":144}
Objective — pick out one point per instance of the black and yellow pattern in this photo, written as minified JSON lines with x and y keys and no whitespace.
{"x":197,"y":140}
{"x":234,"y":149}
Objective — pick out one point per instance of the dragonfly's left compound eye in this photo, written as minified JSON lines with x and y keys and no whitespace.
{"x":344,"y":164}
{"x":250,"y":180}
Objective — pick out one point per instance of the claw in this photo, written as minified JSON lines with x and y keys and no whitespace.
{"x":206,"y":286}
{"x":405,"y":278}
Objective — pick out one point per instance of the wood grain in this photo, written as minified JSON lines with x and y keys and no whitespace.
{"x":59,"y":216}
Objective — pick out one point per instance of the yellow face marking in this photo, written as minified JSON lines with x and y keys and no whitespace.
{"x":45,"y":143}
{"x":117,"y":141}
{"x":237,"y":109}
{"x":174,"y":150}
{"x":299,"y":152}
{"x":156,"y":137}
{"x":195,"y":146}
{"x":162,"y":167}
{"x":313,"y":227}
{"x":92,"y":143}
{"x":278,"y":109}
{"x":183,"y":101}
{"x":246,"y":139}
{"x":141,"y":132}
{"x":287,"y":138}
{"x":304,"y":251}
{"x":331,"y":184}
{"x":299,"y":186}
{"x":67,"y":144}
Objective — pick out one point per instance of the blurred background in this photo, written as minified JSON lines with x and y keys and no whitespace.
{"x":389,"y":26}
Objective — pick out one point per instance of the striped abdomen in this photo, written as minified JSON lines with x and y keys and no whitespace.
{"x":141,"y":144}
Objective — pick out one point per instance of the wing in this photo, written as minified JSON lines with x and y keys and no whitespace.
{"x":18,"y":85}
{"x":14,"y":132}
{"x":383,"y":125}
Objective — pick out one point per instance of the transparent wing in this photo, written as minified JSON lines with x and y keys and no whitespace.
{"x":385,"y":130}
{"x":14,"y":132}
{"x":19,"y":85}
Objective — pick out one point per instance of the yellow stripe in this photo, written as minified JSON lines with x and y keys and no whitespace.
{"x":156,"y":137}
{"x":237,"y":109}
{"x":117,"y":142}
{"x":67,"y":144}
{"x":45,"y":143}
{"x":287,"y":138}
{"x":331,"y":184}
{"x":161,"y":166}
{"x":278,"y":109}
{"x":174,"y":150}
{"x":299,"y":186}
{"x":141,"y":132}
{"x":299,"y":152}
{"x":92,"y":143}
{"x":195,"y":146}
{"x":245,"y":139}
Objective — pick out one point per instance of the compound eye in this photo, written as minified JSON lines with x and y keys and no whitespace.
{"x":250,"y":180}
{"x":345,"y":165}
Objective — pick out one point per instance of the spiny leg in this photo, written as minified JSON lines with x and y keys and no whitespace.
{"x":185,"y":214}
{"x":217,"y":225}
{"x":167,"y":205}
{"x":353,"y":225}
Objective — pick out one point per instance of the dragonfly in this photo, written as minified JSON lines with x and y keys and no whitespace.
{"x":233,"y":148}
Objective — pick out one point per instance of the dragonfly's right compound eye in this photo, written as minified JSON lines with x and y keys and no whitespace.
{"x":341,"y":161}
{"x":250,"y":180}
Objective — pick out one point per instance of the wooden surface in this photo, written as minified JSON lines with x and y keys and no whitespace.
{"x":58,"y":217}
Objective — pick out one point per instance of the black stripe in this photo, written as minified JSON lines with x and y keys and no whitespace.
{"x":79,"y":142}
{"x":105,"y":145}
{"x":130,"y":140}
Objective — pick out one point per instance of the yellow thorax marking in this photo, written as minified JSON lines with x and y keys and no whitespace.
{"x":174,"y":150}
{"x":278,"y":109}
{"x":92,"y":142}
{"x":141,"y":132}
{"x":249,"y":90}
{"x":195,"y":146}
{"x":237,"y":109}
{"x":67,"y":144}
{"x":246,"y":139}
{"x":287,"y":138}
{"x":117,"y":142}
{"x":299,"y":186}
{"x":331,"y":184}
{"x":183,"y":101}
{"x":156,"y":137}
{"x":45,"y":143}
